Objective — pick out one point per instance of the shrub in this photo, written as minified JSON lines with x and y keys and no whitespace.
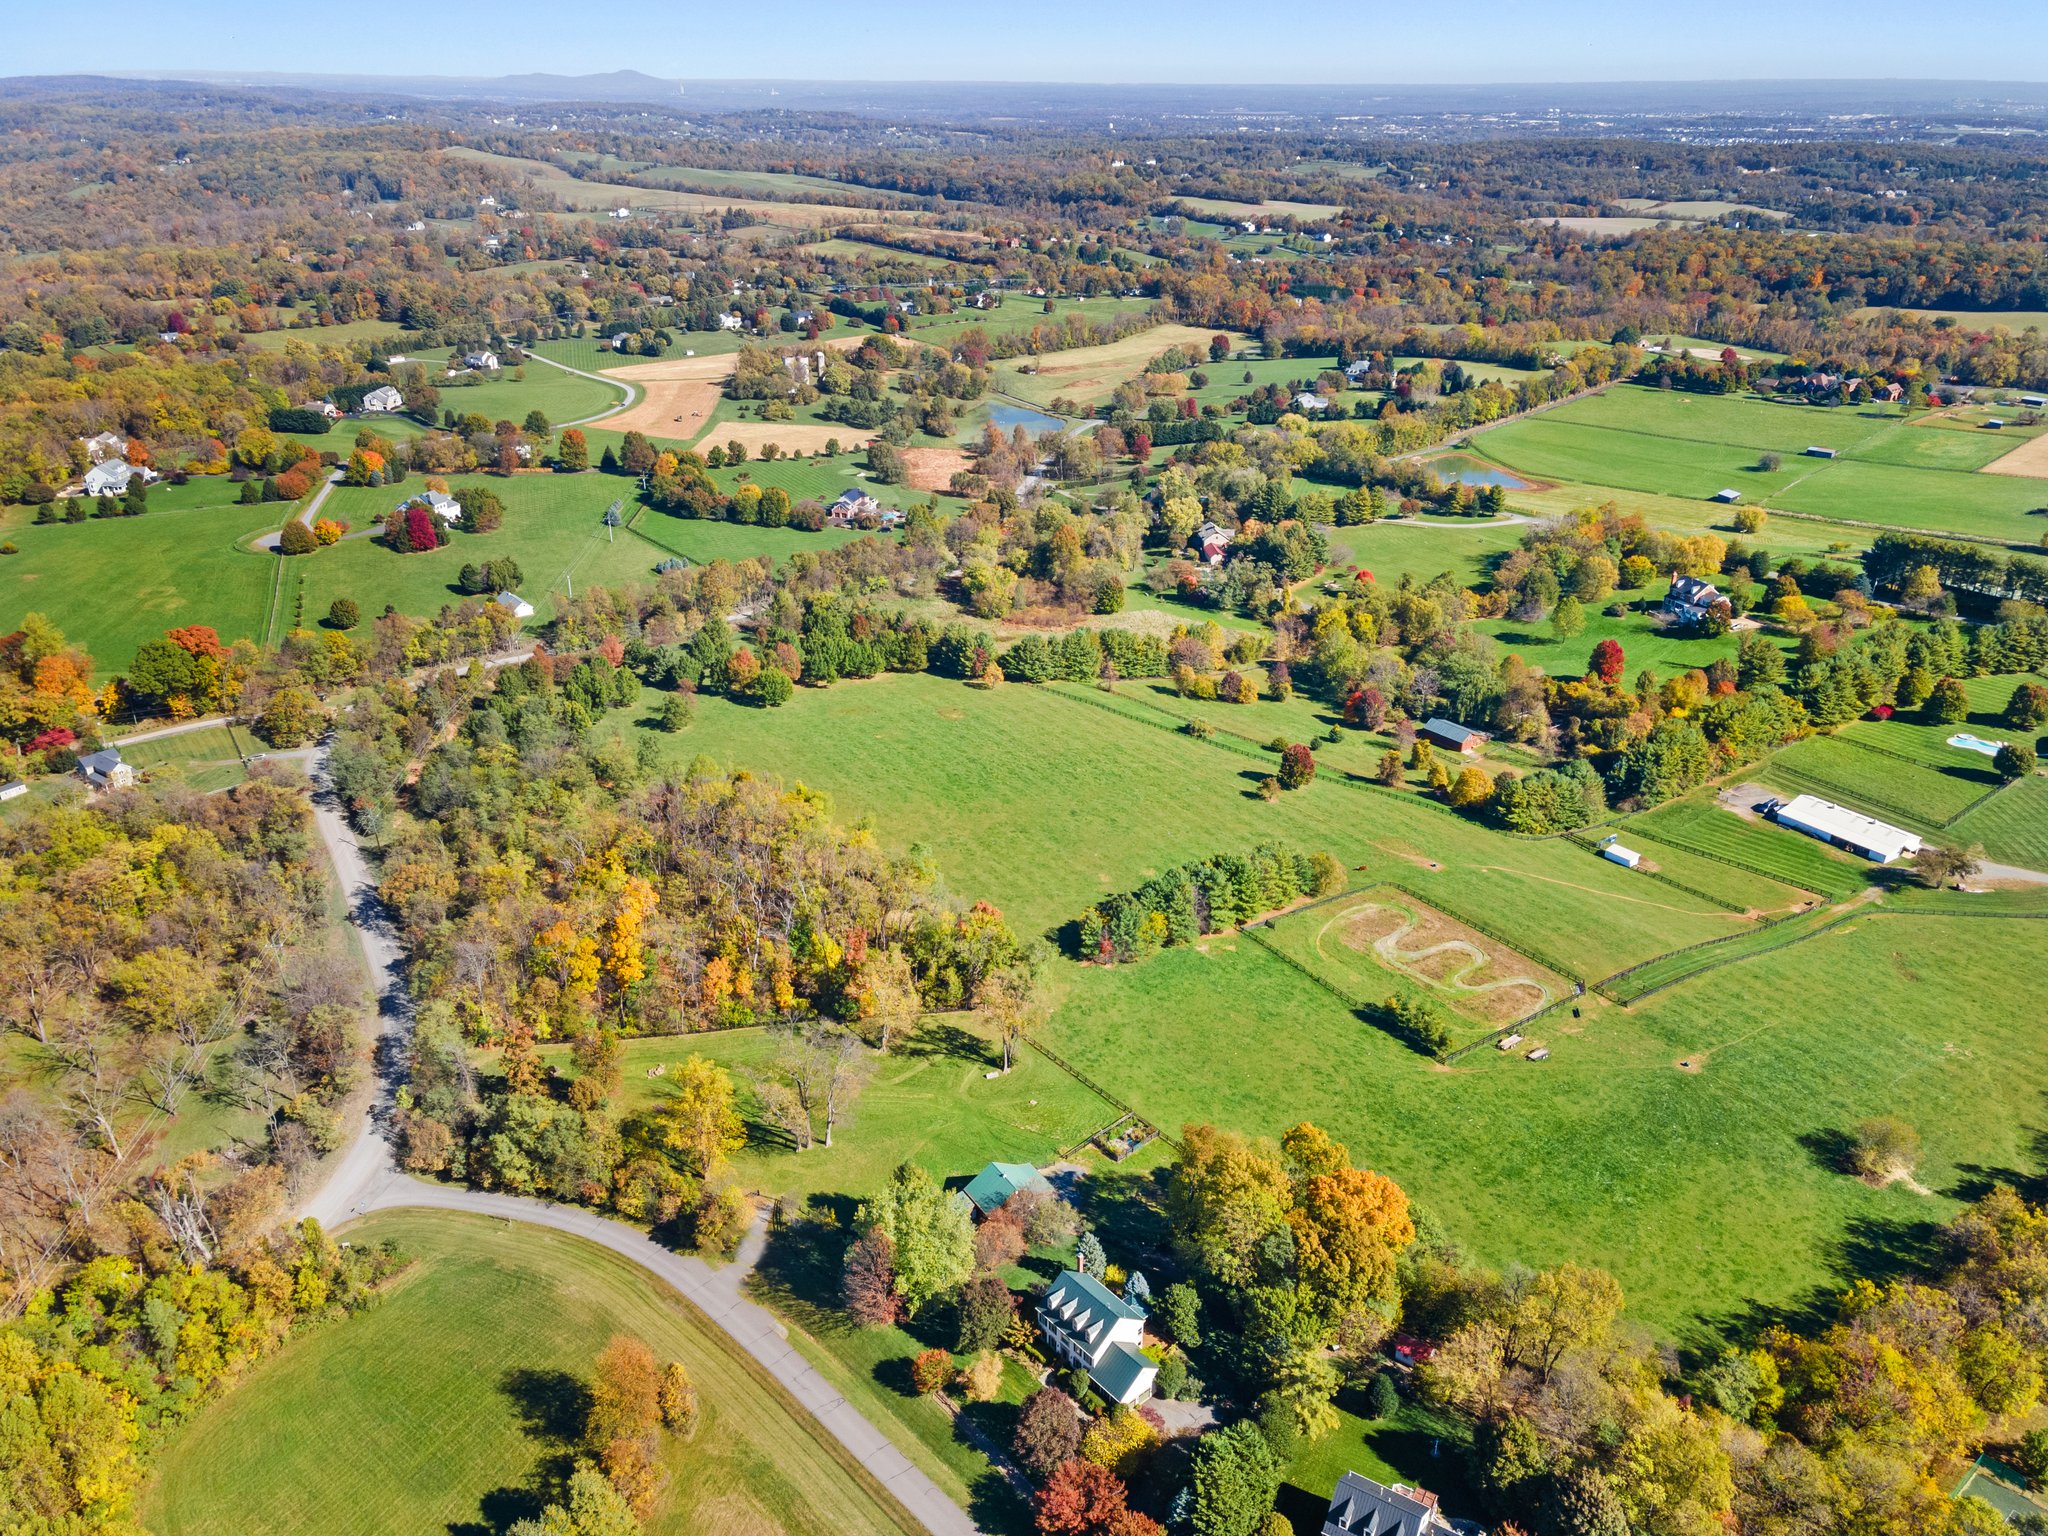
{"x":674,"y":714}
{"x":1418,"y":1022}
{"x":1269,"y":788}
{"x":328,"y":531}
{"x":1173,"y":1377}
{"x":343,"y":613}
{"x":296,"y":539}
{"x":984,"y":1377}
{"x":931,"y":1370}
{"x":1381,"y":1400}
{"x":678,"y":1399}
{"x":2028,"y":707}
{"x":1201,"y":730}
{"x":1884,"y":1148}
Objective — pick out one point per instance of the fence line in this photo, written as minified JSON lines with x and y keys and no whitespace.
{"x":1129,"y":1112}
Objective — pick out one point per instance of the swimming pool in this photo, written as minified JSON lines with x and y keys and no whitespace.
{"x":1971,"y":743}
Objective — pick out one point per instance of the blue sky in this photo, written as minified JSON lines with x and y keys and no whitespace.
{"x":1244,"y":41}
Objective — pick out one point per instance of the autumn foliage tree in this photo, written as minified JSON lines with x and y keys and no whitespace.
{"x":1607,"y":661}
{"x":868,"y":1285}
{"x":1083,"y":1499}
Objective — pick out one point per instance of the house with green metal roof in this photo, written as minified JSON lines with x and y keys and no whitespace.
{"x":1089,"y":1325}
{"x":991,"y":1188}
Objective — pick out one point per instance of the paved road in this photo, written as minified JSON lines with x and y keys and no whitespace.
{"x":158,"y":732}
{"x":632,"y":391}
{"x":367,"y":1178}
{"x":312,"y":510}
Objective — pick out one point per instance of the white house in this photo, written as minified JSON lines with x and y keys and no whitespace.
{"x":13,"y":789}
{"x":1691,"y":599}
{"x":1358,"y":370}
{"x":1309,"y":400}
{"x":482,"y":359}
{"x":620,"y":213}
{"x":105,"y":445}
{"x":105,"y":770}
{"x":1837,"y":825}
{"x":1089,"y":1325}
{"x":515,"y":605}
{"x":1213,"y":540}
{"x":328,"y":409}
{"x":417,"y":226}
{"x":729,"y":322}
{"x":111,"y":477}
{"x":383,"y":398}
{"x":440,"y":503}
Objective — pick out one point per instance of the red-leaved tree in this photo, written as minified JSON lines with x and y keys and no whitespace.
{"x":1082,"y":1499}
{"x":1607,"y":662}
{"x":420,"y":532}
{"x":868,"y":1286}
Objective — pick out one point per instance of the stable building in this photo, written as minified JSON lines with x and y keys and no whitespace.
{"x":1840,"y":827}
{"x":992,"y":1188}
{"x":1451,"y":736}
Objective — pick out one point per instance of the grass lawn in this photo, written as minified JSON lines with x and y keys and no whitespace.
{"x":1969,"y":320}
{"x":1643,"y":643}
{"x":1403,"y":546}
{"x":112,"y":583}
{"x":1018,"y":313}
{"x":207,"y":759}
{"x":450,"y":1398}
{"x":1418,"y":1446}
{"x":556,"y":395}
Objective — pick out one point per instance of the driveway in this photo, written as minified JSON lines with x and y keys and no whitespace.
{"x":367,"y":1178}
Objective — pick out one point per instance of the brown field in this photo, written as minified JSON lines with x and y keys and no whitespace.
{"x":932,"y":469}
{"x":2029,"y":459}
{"x":680,"y":393}
{"x":790,"y":436}
{"x":670,"y":408}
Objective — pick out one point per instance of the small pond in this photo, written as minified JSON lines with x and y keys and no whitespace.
{"x":1007,"y":418}
{"x":1499,"y":477}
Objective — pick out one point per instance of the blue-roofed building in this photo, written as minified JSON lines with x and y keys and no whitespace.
{"x":990,"y":1189}
{"x":1362,"y":1507}
{"x":1089,"y":1325}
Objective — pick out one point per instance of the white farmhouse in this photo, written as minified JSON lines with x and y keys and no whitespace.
{"x":1089,"y":1325}
{"x":383,"y":398}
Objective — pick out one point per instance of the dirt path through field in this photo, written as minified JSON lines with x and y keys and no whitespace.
{"x":681,"y":393}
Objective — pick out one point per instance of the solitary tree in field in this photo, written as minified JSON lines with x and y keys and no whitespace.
{"x":1607,"y":661}
{"x":1938,"y":865}
{"x":1883,"y":1149}
{"x":1297,"y":766}
{"x":2014,"y":760}
{"x":1949,"y":704}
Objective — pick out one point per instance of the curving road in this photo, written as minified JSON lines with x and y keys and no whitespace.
{"x":367,"y":1178}
{"x":632,"y":391}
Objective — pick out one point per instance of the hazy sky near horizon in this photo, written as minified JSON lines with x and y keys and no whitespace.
{"x":1083,"y":41}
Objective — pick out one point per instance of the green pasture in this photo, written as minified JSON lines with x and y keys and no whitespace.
{"x":2012,"y":825}
{"x":206,"y":759}
{"x":2015,"y":320}
{"x":1643,"y":642}
{"x":873,"y":253}
{"x":1707,"y":1188}
{"x":1920,"y":798}
{"x":1044,"y":834}
{"x":1019,"y":312}
{"x":1909,"y":733}
{"x":451,"y":1398}
{"x":112,"y":583}
{"x":1890,"y":470}
{"x":553,"y":527}
{"x":345,"y":334}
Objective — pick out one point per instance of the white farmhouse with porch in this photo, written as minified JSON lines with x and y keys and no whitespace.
{"x":1089,"y":1325}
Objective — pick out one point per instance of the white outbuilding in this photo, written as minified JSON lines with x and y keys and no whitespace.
{"x":1837,"y":825}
